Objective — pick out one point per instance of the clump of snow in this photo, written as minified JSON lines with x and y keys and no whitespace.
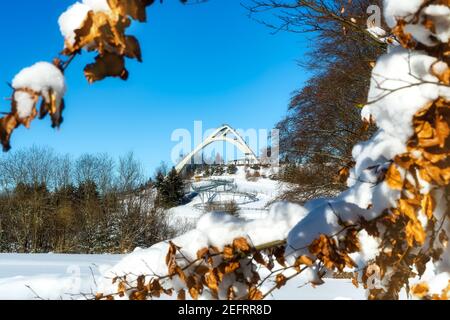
{"x":324,"y":220}
{"x":420,"y":33}
{"x":370,"y":247}
{"x":400,"y":9}
{"x":436,"y":280}
{"x":43,"y":78}
{"x":440,"y":15}
{"x":407,"y":10}
{"x":377,"y":31}
{"x":439,"y":283}
{"x":25,"y":104}
{"x":439,"y":68}
{"x":378,"y":150}
{"x":73,"y":18}
{"x":221,"y":229}
{"x":98,"y":5}
{"x":381,"y":35}
{"x":398,"y":90}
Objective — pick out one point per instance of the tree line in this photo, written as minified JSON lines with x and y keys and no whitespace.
{"x":91,"y":204}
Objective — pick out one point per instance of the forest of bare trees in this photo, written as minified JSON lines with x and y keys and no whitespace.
{"x":92,"y":204}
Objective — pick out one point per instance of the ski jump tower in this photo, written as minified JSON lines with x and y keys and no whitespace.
{"x":221,"y":134}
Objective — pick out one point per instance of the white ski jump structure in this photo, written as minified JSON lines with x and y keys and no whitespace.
{"x":221,"y":134}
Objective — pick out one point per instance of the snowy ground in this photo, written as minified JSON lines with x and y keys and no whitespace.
{"x":51,"y":276}
{"x":332,"y":289}
{"x":60,"y":276}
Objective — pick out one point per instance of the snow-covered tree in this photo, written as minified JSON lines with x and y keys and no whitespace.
{"x":170,"y":189}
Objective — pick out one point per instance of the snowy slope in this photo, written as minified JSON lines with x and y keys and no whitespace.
{"x":264,"y":189}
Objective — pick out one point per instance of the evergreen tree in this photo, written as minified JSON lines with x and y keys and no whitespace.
{"x":232,"y":169}
{"x":159,"y":180}
{"x":170,"y":189}
{"x":207,"y":172}
{"x":219,"y":171}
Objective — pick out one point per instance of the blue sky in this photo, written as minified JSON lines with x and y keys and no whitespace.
{"x":206,"y":62}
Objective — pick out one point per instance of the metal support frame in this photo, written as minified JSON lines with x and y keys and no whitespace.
{"x":220,"y":135}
